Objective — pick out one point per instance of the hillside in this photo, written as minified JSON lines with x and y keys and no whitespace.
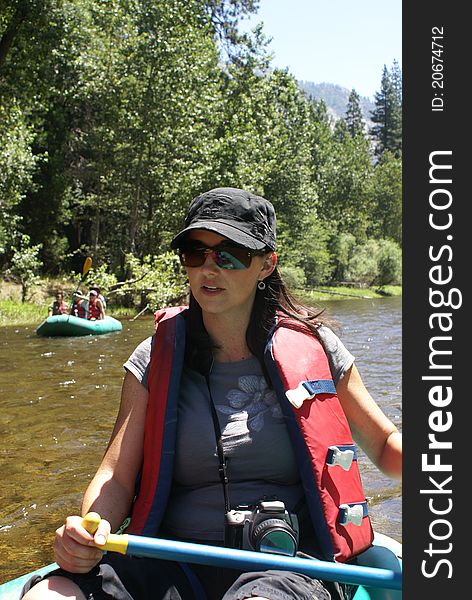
{"x":336,"y":98}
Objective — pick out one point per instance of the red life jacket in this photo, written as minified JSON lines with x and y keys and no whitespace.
{"x":318,"y":430}
{"x":59,"y":309}
{"x":78,"y":309}
{"x":94,"y":311}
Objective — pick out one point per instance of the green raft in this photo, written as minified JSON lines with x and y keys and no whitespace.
{"x":385,"y":554}
{"x":69,"y":325}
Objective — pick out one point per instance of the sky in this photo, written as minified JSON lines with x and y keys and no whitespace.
{"x":346,"y":42}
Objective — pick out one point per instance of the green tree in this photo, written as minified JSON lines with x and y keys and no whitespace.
{"x":397,"y":81}
{"x":354,"y":119}
{"x":375,"y":262}
{"x":157,"y":281}
{"x":16,"y":168}
{"x":13,"y":15}
{"x":25,"y":265}
{"x":387,"y":190}
{"x":387,"y":116}
{"x":389,"y":263}
{"x":150,"y":131}
{"x":40,"y":74}
{"x":341,"y":248}
{"x":344,"y":185}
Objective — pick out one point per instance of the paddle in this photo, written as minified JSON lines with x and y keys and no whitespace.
{"x":85,"y":270}
{"x":135,"y":545}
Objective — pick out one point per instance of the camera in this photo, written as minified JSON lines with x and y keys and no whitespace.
{"x":265,"y":527}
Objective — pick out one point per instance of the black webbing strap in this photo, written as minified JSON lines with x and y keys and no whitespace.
{"x":219,"y":446}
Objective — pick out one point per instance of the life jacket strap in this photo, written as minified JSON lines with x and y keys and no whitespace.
{"x":306,"y":390}
{"x":341,"y":456}
{"x":353,"y":513}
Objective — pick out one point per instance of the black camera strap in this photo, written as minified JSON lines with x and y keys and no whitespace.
{"x":219,"y":446}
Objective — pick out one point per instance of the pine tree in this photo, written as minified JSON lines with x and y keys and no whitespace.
{"x":354,"y":119}
{"x":388,"y":114}
{"x":397,"y":81}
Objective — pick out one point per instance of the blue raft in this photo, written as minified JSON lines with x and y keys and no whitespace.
{"x":69,"y":325}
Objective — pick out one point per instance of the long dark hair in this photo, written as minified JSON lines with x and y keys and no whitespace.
{"x":270,"y":307}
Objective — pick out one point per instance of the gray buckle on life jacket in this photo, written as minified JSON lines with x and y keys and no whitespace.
{"x":352,"y":513}
{"x":341,"y":455}
{"x":306,"y":390}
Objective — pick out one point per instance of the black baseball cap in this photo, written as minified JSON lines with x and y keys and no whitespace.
{"x":240,"y":216}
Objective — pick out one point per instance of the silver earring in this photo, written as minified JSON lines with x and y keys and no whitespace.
{"x":261,"y":285}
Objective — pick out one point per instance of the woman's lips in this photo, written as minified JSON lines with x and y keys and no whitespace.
{"x":211,"y":289}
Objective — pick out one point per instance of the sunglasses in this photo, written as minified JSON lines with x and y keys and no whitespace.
{"x":225,"y":256}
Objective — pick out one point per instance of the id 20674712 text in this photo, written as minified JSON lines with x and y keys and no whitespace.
{"x":437,"y":68}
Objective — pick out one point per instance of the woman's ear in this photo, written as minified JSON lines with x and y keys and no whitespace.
{"x":268,"y":266}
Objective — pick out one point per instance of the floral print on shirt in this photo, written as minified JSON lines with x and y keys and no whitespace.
{"x":248,"y":405}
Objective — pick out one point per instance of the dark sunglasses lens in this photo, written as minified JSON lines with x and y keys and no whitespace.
{"x":233,"y":258}
{"x":192,"y":257}
{"x":229,"y":257}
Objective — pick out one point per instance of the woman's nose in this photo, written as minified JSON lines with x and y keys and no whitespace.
{"x":210,"y":262}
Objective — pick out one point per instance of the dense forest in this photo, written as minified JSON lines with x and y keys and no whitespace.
{"x":114,"y":114}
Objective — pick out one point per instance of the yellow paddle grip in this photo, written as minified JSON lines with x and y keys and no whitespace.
{"x":114,"y":543}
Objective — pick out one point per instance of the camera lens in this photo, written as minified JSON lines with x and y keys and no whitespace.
{"x":275,"y":537}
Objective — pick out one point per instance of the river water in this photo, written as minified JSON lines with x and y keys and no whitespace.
{"x":58,"y":401}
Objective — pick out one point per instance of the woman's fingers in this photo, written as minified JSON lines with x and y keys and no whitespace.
{"x":102,"y":533}
{"x":74,"y":546}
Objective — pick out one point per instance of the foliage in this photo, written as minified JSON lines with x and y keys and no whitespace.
{"x":100,"y":277}
{"x":387,"y":115}
{"x":25,"y":265}
{"x":376,"y":262}
{"x":387,"y":189}
{"x":389,"y":263}
{"x":363,"y":265}
{"x":294,"y":277}
{"x":354,"y":119}
{"x":341,"y":249}
{"x":16,"y":166}
{"x":158,"y":281}
{"x":115,"y":114}
{"x":344,"y":187}
{"x":14,"y":313}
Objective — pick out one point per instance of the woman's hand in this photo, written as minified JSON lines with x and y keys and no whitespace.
{"x":75,"y":548}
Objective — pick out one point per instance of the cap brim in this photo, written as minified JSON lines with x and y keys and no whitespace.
{"x":222,"y":228}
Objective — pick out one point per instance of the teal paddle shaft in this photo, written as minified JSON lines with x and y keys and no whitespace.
{"x":256,"y":561}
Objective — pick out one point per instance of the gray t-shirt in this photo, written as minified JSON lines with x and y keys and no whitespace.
{"x":340,"y":359}
{"x":261,"y":461}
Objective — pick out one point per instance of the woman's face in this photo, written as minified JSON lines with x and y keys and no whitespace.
{"x":231,"y":291}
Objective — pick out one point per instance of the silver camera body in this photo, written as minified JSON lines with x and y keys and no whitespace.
{"x":265,"y":527}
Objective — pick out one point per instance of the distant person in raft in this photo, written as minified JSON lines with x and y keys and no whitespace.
{"x":100,"y":295}
{"x":95,"y":310}
{"x":79,"y":305}
{"x":234,"y":430}
{"x":58,"y":307}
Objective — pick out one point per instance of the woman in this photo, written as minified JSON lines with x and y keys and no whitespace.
{"x":58,"y":307}
{"x":95,"y":308}
{"x":79,"y":305}
{"x":228,"y":373}
{"x":100,"y":295}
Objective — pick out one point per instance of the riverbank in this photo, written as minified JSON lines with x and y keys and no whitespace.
{"x":14,"y":312}
{"x":325,"y":293}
